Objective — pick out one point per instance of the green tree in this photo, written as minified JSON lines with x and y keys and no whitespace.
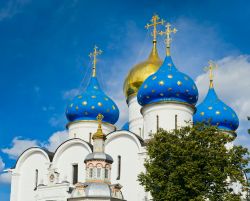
{"x":192,"y":164}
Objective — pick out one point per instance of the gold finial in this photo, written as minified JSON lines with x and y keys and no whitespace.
{"x":168,"y":39}
{"x":99,"y":134}
{"x":94,"y":55}
{"x":212,"y":65}
{"x":155,"y":21}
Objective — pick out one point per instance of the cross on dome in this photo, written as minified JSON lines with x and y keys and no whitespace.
{"x":211,"y":67}
{"x":99,"y":134}
{"x":94,"y":55}
{"x":155,"y":21}
{"x":168,"y":39}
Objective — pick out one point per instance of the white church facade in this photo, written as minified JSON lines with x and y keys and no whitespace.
{"x":101,"y":162}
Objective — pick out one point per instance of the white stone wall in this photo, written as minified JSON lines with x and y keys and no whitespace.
{"x":57,"y":192}
{"x":126,"y":145}
{"x":134,"y":116}
{"x":166,"y":113}
{"x":24,"y":175}
{"x":82,"y":129}
{"x":70,"y":153}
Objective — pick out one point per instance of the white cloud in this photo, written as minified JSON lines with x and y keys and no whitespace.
{"x":18,"y":146}
{"x":56,"y":139}
{"x":4,"y":177}
{"x":2,"y":164}
{"x":70,"y":93}
{"x":57,"y":120}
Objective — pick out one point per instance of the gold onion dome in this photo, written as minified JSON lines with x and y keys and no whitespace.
{"x":143,"y":70}
{"x":140,"y":72}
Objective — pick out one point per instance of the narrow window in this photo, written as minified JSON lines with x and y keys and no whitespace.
{"x":140,"y":132}
{"x":119,"y":168}
{"x":98,"y":172}
{"x":90,"y":172}
{"x":106,"y":173}
{"x":36,"y":179}
{"x":157,"y":123}
{"x":175,"y":122}
{"x":75,"y":174}
{"x":90,"y":134}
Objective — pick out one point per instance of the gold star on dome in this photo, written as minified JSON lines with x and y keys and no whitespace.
{"x":161,"y":83}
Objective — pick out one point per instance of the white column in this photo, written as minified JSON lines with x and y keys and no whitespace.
{"x":135,"y":117}
{"x":169,"y":115}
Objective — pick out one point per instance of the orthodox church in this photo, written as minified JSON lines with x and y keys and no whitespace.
{"x":102,"y":162}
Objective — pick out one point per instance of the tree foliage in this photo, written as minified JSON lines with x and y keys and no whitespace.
{"x":193,"y":163}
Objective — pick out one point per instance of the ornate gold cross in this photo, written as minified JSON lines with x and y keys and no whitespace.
{"x":168,"y":33}
{"x":211,"y":67}
{"x":99,"y":118}
{"x":155,"y":21}
{"x":94,"y":55}
{"x":99,"y":134}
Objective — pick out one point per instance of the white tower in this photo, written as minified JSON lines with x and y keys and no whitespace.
{"x":83,"y":109}
{"x":167,"y":96}
{"x":136,"y":77}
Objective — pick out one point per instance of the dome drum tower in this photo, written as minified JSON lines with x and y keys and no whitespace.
{"x":84,"y":129}
{"x":83,"y":109}
{"x":167,"y":115}
{"x":168,"y":96}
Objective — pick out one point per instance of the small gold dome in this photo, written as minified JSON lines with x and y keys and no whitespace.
{"x":140,"y":72}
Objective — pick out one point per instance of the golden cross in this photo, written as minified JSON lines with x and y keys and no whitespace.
{"x":168,"y":33}
{"x":94,"y":55}
{"x":155,"y":21}
{"x":212,"y":65}
{"x":99,"y":118}
{"x":99,"y":134}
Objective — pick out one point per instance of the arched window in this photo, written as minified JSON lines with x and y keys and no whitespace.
{"x":75,"y":173}
{"x":98,"y":170}
{"x":36,"y":179}
{"x":119,"y":168}
{"x":106,"y":173}
{"x":91,"y":172}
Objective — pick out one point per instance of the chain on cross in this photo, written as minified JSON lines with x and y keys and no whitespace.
{"x":94,"y":55}
{"x":155,"y":21}
{"x":168,"y":33}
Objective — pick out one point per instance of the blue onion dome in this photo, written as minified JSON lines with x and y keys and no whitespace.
{"x":215,"y":112}
{"x":168,"y":84}
{"x":90,"y":103}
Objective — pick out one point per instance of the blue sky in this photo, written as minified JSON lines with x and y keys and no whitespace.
{"x":44,"y":47}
